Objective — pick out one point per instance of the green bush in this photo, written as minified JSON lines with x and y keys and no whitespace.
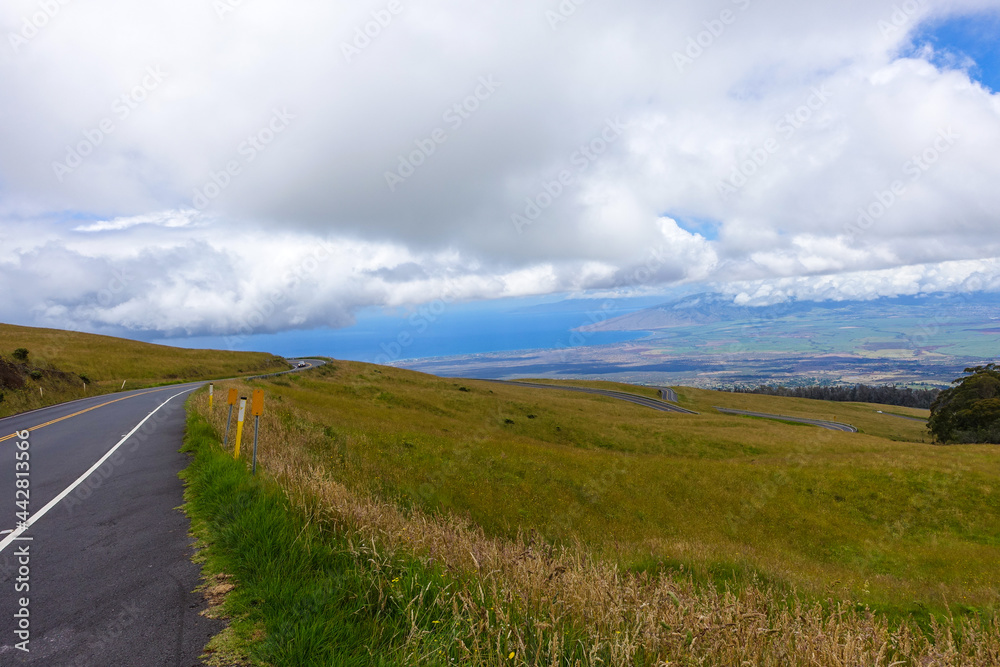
{"x":21,"y":354}
{"x":970,"y":411}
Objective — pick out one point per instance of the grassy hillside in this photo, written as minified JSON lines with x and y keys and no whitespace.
{"x":61,"y":363}
{"x":881,"y":514}
{"x":870,"y":418}
{"x":881,"y":519}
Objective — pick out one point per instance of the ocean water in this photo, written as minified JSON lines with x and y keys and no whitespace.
{"x":435,"y":332}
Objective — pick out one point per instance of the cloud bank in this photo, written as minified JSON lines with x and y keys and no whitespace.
{"x":207,"y":167}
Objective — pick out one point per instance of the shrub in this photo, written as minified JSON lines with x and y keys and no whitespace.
{"x":970,"y":411}
{"x":21,"y":354}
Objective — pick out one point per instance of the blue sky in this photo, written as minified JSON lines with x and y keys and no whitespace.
{"x":268,"y":181}
{"x":972,"y":37}
{"x":706,"y":228}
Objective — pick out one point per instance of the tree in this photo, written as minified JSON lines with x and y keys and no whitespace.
{"x":969,"y":412}
{"x":859,"y":393}
{"x":21,"y":354}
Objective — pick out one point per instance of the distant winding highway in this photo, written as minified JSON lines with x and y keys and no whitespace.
{"x":620,"y":395}
{"x":829,"y":425}
{"x":907,"y":417}
{"x":668,"y":394}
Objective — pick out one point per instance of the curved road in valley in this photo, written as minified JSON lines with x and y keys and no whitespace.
{"x":101,"y":573}
{"x":831,"y":426}
{"x":668,"y":394}
{"x":620,"y":395}
{"x":912,"y":419}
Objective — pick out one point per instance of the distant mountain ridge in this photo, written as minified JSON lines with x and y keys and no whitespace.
{"x":693,"y":310}
{"x":715,"y":308}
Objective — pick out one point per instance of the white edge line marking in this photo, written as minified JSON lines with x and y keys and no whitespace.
{"x":69,"y":489}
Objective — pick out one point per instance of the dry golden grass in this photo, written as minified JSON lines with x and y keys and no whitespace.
{"x":68,"y":365}
{"x":111,"y":360}
{"x":563,"y":606}
{"x":902,"y":526}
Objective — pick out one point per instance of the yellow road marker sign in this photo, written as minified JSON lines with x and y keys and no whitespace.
{"x":257,"y":405}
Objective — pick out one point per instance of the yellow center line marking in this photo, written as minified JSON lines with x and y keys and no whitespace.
{"x":77,"y":414}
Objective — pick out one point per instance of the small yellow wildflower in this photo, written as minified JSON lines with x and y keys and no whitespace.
{"x":511,"y":656}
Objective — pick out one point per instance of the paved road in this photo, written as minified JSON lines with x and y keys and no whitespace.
{"x":108,"y":553}
{"x":620,"y":395}
{"x":913,"y":419}
{"x":668,"y":394}
{"x":831,"y":426}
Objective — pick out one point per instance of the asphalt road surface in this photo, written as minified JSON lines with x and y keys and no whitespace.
{"x":912,"y":419}
{"x":668,"y":394}
{"x":620,"y":395}
{"x":104,"y":565}
{"x":830,"y":426}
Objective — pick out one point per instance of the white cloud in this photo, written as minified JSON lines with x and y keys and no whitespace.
{"x":201,"y":279}
{"x":959,"y":276}
{"x":165,"y":219}
{"x":807,"y":110}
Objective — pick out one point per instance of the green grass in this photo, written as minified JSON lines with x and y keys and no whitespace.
{"x":304,"y":594}
{"x":300,"y":586}
{"x":881,"y":516}
{"x":58,"y":362}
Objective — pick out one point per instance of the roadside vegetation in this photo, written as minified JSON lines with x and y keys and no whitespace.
{"x":458,"y":522}
{"x":41,"y":367}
